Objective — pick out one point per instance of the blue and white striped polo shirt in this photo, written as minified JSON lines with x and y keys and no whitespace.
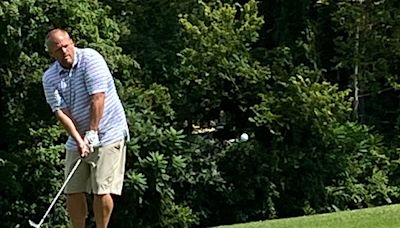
{"x":71,"y":89}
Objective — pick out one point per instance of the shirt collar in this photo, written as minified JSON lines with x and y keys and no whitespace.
{"x":62,"y":70}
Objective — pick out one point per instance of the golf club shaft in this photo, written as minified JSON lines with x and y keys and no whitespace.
{"x":60,"y":191}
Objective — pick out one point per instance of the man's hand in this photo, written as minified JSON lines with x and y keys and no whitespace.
{"x":83,"y":149}
{"x":91,"y":139}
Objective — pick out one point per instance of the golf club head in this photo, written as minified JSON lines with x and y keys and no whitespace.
{"x":31,"y":223}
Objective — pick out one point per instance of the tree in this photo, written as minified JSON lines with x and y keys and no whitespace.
{"x":217,"y":72}
{"x":366,"y":56}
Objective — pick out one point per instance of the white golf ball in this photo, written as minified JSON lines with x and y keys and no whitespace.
{"x":244,"y":137}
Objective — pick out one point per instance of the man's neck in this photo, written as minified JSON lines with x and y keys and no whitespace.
{"x":67,"y":67}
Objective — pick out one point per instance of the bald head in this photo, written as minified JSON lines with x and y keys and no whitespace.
{"x":61,"y":47}
{"x":54,"y":36}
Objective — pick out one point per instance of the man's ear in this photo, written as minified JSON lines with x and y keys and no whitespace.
{"x":50,"y":54}
{"x":52,"y":58}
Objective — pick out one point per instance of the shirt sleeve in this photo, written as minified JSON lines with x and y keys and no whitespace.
{"x":53,"y":97}
{"x":97,"y":73}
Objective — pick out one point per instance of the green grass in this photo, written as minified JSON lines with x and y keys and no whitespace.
{"x":378,"y":217}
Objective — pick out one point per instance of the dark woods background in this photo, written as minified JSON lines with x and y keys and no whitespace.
{"x":314,"y":84}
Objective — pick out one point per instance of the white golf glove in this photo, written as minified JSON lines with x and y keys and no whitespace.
{"x":92,"y":140}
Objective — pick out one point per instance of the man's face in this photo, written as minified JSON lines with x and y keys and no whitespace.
{"x":61,"y":47}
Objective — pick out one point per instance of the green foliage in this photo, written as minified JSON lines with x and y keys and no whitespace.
{"x":249,"y":170}
{"x":178,"y":216}
{"x":294,"y":119}
{"x":337,"y":164}
{"x":366,"y":35}
{"x":152,"y":104}
{"x":201,"y":184}
{"x":300,"y":102}
{"x":162,"y":165}
{"x":10,"y":189}
{"x":183,"y":62}
{"x":216,"y":70}
{"x":365,"y":165}
{"x":364,"y":56}
{"x":153,"y":35}
{"x":26,"y":121}
{"x":38,"y":175}
{"x":24,"y":61}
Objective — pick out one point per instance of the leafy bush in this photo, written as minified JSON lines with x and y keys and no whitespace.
{"x":324,"y":161}
{"x":365,"y":169}
{"x":249,"y":170}
{"x":38,"y":176}
{"x":166,"y":171}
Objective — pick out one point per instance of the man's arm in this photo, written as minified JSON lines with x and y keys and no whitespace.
{"x":96,"y":79}
{"x":96,"y":110}
{"x":64,"y":117}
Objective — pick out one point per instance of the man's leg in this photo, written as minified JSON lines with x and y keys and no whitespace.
{"x":107,"y":180}
{"x":77,"y":209}
{"x":102,"y":206}
{"x":76,"y":189}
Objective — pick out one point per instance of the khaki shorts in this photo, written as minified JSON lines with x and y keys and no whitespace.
{"x":102,"y":172}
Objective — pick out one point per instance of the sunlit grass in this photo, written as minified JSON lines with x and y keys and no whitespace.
{"x":378,"y":217}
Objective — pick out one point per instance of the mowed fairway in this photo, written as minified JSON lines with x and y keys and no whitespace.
{"x":382,"y":217}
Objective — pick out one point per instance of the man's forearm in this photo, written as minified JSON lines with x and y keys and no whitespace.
{"x":96,"y":110}
{"x":69,"y":125}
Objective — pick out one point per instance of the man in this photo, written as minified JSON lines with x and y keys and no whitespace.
{"x":81,"y":92}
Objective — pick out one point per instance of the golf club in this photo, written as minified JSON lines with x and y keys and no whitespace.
{"x":31,"y":223}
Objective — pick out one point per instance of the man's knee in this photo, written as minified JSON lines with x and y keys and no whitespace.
{"x":77,"y":205}
{"x":76,"y":197}
{"x":103,"y":197}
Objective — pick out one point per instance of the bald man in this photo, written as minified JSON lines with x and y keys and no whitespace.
{"x":81,"y":92}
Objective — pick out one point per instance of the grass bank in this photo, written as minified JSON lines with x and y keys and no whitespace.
{"x":377,"y":217}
